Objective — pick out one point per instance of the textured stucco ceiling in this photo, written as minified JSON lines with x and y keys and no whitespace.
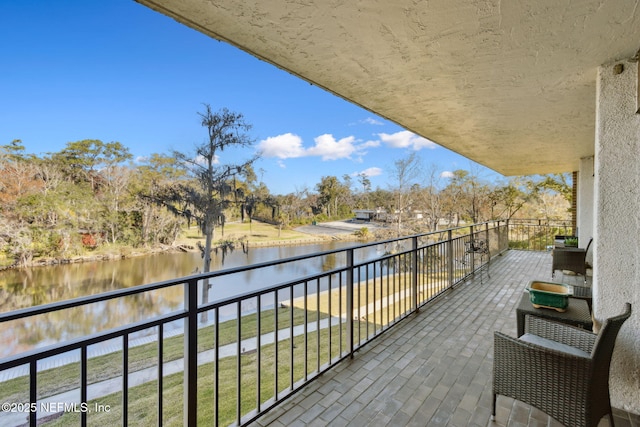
{"x":509,"y":84}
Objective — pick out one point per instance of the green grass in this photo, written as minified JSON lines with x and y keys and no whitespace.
{"x":142,"y":405}
{"x":66,"y":377}
{"x":143,"y":399}
{"x":256,"y":232}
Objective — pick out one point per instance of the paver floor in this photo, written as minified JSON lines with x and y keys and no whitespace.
{"x":435,"y":368}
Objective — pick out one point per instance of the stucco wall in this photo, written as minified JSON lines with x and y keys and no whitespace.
{"x":617,"y":223}
{"x":585,"y":204}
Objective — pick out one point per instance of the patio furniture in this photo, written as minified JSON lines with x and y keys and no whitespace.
{"x":559,"y":369}
{"x":572,"y":259}
{"x":481,"y":247}
{"x":583,"y":292}
{"x":576,"y":314}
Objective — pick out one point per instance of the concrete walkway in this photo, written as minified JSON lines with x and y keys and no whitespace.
{"x":335,"y":228}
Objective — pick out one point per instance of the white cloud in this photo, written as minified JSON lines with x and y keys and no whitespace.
{"x":368,"y":121}
{"x":200,"y":160}
{"x":405,"y":139}
{"x":289,"y":146}
{"x":329,"y":149}
{"x":446,"y":174}
{"x":281,"y":164}
{"x":282,"y":146}
{"x":374,"y":171}
{"x":372,"y":121}
{"x":369,"y":144}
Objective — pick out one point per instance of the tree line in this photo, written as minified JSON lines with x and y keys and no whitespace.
{"x":91,"y":194}
{"x":422,"y":199}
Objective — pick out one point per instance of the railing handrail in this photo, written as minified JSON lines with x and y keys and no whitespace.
{"x":118,"y":293}
{"x":539,"y":220}
{"x":79,"y":342}
{"x":76,"y":343}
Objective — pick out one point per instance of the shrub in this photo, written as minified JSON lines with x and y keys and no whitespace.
{"x":363,"y":233}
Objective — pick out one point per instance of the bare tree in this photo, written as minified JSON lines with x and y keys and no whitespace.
{"x":431,"y":198}
{"x":405,"y":172}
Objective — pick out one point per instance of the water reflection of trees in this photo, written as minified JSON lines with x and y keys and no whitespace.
{"x":89,"y":319}
{"x":40,"y":285}
{"x":28,"y":287}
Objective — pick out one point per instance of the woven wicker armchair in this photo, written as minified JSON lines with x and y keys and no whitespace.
{"x":559,"y":369}
{"x":572,"y":259}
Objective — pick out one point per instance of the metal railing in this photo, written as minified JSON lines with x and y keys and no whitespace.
{"x":537,"y":234}
{"x":231,"y":360}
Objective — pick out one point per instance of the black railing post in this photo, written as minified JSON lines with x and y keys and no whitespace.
{"x":83,"y":384}
{"x":216,"y":367}
{"x":450,"y":256}
{"x":125,"y":380}
{"x":259,"y":348}
{"x":276,"y":307}
{"x":238,"y":361}
{"x":160,"y":349}
{"x":191,"y":353}
{"x":486,"y":235}
{"x":471,"y":254}
{"x":33,"y":395}
{"x":350,"y":311}
{"x":414,"y":274}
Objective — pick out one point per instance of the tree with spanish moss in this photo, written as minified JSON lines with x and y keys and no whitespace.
{"x":208,"y":189}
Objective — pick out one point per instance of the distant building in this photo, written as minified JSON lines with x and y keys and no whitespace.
{"x":369,"y":214}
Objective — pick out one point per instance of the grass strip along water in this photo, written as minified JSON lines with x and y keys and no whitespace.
{"x":390,"y":295}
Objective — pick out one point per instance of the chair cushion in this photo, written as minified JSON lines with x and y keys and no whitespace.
{"x":553,"y":345}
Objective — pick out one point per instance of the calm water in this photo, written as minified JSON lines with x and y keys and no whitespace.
{"x":42,"y":285}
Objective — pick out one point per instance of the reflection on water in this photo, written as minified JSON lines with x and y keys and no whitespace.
{"x":41,"y":285}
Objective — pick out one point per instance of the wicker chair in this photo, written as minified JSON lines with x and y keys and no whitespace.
{"x":559,"y":369}
{"x":572,"y":259}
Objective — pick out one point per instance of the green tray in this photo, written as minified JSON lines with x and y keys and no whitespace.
{"x":549,"y":295}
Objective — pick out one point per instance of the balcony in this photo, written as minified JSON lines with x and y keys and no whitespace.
{"x":399,"y":335}
{"x":435,"y":368}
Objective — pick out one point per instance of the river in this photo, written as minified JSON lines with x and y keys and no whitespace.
{"x":28,"y":287}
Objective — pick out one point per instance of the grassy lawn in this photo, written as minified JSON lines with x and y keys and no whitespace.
{"x":142,"y":405}
{"x":66,"y":377}
{"x":255,"y":232}
{"x":391,"y":296}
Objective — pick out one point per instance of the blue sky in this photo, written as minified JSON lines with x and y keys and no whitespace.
{"x":118,"y":71}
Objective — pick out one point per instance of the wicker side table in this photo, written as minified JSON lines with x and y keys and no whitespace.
{"x":577,"y":313}
{"x":583,"y":292}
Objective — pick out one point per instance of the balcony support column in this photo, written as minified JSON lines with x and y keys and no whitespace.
{"x":616,"y":222}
